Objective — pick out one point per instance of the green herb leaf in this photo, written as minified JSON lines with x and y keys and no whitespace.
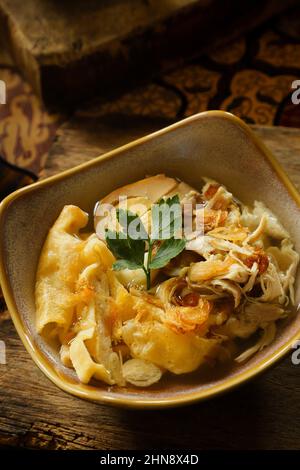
{"x":166,"y":218}
{"x":125,"y":218}
{"x":132,"y":225}
{"x":129,"y":245}
{"x":125,"y":264}
{"x":167,"y":250}
{"x":126,"y":248}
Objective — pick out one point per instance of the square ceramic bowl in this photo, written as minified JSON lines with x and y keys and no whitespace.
{"x":214,"y":144}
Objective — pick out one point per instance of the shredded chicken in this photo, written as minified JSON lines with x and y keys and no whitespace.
{"x":239,"y":262}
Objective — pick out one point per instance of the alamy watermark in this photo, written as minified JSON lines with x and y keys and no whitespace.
{"x":296,"y":353}
{"x":296,"y":94}
{"x":2,"y":92}
{"x":163,"y":221}
{"x":2,"y":352}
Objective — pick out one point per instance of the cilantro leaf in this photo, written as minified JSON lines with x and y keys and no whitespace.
{"x":167,"y":250}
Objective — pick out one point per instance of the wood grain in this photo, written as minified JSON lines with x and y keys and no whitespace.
{"x":263,"y":414}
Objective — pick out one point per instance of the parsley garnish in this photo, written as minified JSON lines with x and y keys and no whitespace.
{"x":130,"y":250}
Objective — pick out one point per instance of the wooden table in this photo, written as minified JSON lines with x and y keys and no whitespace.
{"x":34,"y":413}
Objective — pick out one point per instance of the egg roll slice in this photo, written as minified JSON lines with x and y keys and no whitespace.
{"x":82,"y":362}
{"x":91,"y":342}
{"x":96,"y":320}
{"x":58,"y":270}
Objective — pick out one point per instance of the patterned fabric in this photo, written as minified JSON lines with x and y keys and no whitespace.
{"x":26,"y":129}
{"x":251,"y":77}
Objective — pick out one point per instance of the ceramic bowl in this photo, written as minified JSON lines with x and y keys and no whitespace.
{"x":214,"y":144}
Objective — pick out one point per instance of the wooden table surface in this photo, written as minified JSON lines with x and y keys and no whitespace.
{"x":34,"y":413}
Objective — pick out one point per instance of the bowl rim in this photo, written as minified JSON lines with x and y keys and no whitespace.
{"x":132,"y":401}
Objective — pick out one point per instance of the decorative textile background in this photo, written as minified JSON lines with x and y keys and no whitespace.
{"x":251,"y":77}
